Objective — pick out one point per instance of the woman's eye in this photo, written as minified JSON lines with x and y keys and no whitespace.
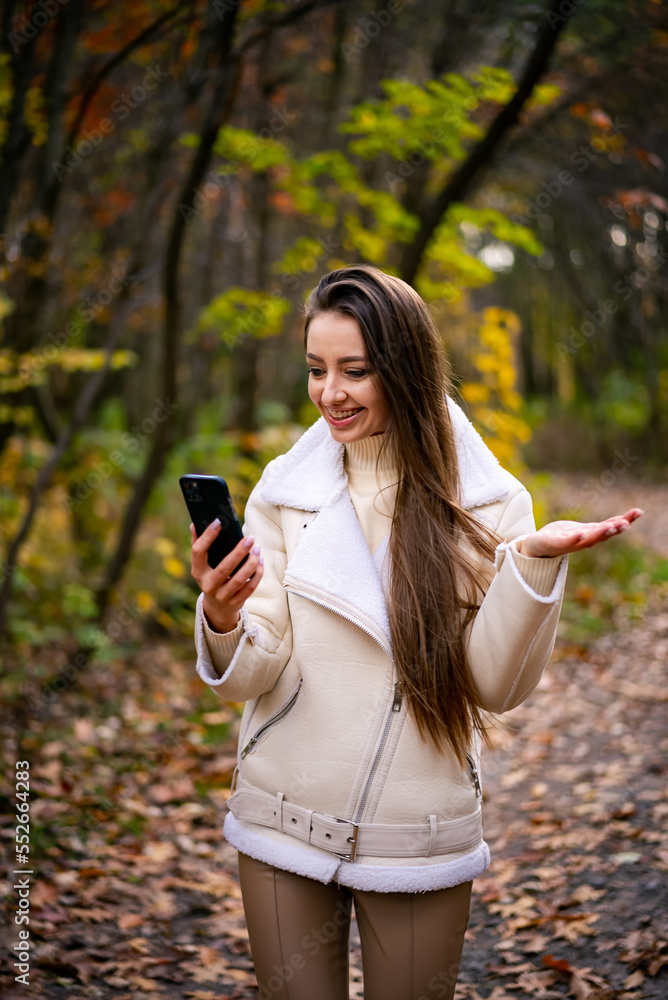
{"x":354,"y":373}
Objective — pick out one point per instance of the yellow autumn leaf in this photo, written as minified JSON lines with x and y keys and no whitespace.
{"x":165,"y":620}
{"x":475,"y":392}
{"x":6,"y":307}
{"x":164,"y":547}
{"x":145,"y":600}
{"x":174,"y":566}
{"x":7,"y":360}
{"x":505,"y":378}
{"x":493,"y":314}
{"x":22,"y":415}
{"x":484,"y":362}
{"x":510,"y":399}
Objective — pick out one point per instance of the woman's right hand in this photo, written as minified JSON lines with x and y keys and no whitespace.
{"x":223,"y":597}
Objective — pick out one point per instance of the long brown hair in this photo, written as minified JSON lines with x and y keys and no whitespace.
{"x":437,"y":547}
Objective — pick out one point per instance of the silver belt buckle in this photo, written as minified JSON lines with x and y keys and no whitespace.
{"x":351,"y":840}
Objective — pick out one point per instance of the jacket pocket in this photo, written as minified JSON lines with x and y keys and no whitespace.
{"x":261,"y":734}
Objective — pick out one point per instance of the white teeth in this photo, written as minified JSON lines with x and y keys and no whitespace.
{"x":343,"y":414}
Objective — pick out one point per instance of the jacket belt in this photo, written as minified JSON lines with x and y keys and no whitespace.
{"x":346,"y":838}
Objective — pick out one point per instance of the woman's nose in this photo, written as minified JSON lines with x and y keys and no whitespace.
{"x":333,"y":392}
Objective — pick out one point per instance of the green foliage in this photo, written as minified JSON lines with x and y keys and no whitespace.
{"x":246,"y":148}
{"x":623,"y":401}
{"x":432,"y":120}
{"x":6,"y":307}
{"x":78,"y":600}
{"x":32,"y":368}
{"x":300,"y":257}
{"x":498,"y":224}
{"x":240,"y":312}
{"x":608,"y":585}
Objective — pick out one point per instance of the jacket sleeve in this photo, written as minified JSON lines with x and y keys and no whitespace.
{"x":513,"y":634}
{"x":247,"y":662}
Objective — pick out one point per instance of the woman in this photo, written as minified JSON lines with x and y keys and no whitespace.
{"x":395,"y":592}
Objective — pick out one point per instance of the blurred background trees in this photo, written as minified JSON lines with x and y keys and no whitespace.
{"x":176,"y":176}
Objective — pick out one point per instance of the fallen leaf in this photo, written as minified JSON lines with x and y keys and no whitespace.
{"x":95,"y":915}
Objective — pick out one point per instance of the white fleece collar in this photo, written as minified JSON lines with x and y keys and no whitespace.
{"x":332,"y":560}
{"x":311,"y":475}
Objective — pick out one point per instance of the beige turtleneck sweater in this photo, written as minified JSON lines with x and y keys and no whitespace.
{"x":367,"y":479}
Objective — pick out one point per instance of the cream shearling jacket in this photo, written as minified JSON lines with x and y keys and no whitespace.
{"x":333,"y":780}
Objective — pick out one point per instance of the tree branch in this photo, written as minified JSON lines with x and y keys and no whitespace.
{"x":280,"y":21}
{"x":462,"y":181}
{"x":17,"y":136}
{"x":54,"y":186}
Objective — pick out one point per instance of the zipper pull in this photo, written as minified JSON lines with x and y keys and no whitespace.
{"x":249,"y":746}
{"x":474,"y":775}
{"x":396,"y":704}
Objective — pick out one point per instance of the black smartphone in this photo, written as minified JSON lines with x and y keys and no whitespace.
{"x":208,"y":497}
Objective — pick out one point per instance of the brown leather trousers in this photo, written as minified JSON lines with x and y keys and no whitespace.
{"x":299,"y":937}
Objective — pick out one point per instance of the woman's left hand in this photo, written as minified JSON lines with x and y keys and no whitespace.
{"x":559,"y":537}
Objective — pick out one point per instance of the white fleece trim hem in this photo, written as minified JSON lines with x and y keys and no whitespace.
{"x":373,"y":878}
{"x":387,"y":878}
{"x":291,"y":859}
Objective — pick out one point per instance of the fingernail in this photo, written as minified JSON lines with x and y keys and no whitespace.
{"x":260,"y":561}
{"x":216,"y":523}
{"x":609,"y":532}
{"x":256,"y":550}
{"x":248,"y":542}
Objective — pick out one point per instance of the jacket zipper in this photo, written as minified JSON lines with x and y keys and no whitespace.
{"x":396,"y":701}
{"x":270,"y":723}
{"x":396,"y":707}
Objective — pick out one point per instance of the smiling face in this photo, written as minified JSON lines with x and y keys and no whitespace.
{"x":340,"y":380}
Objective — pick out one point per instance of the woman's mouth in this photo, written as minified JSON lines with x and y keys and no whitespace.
{"x":341,"y":418}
